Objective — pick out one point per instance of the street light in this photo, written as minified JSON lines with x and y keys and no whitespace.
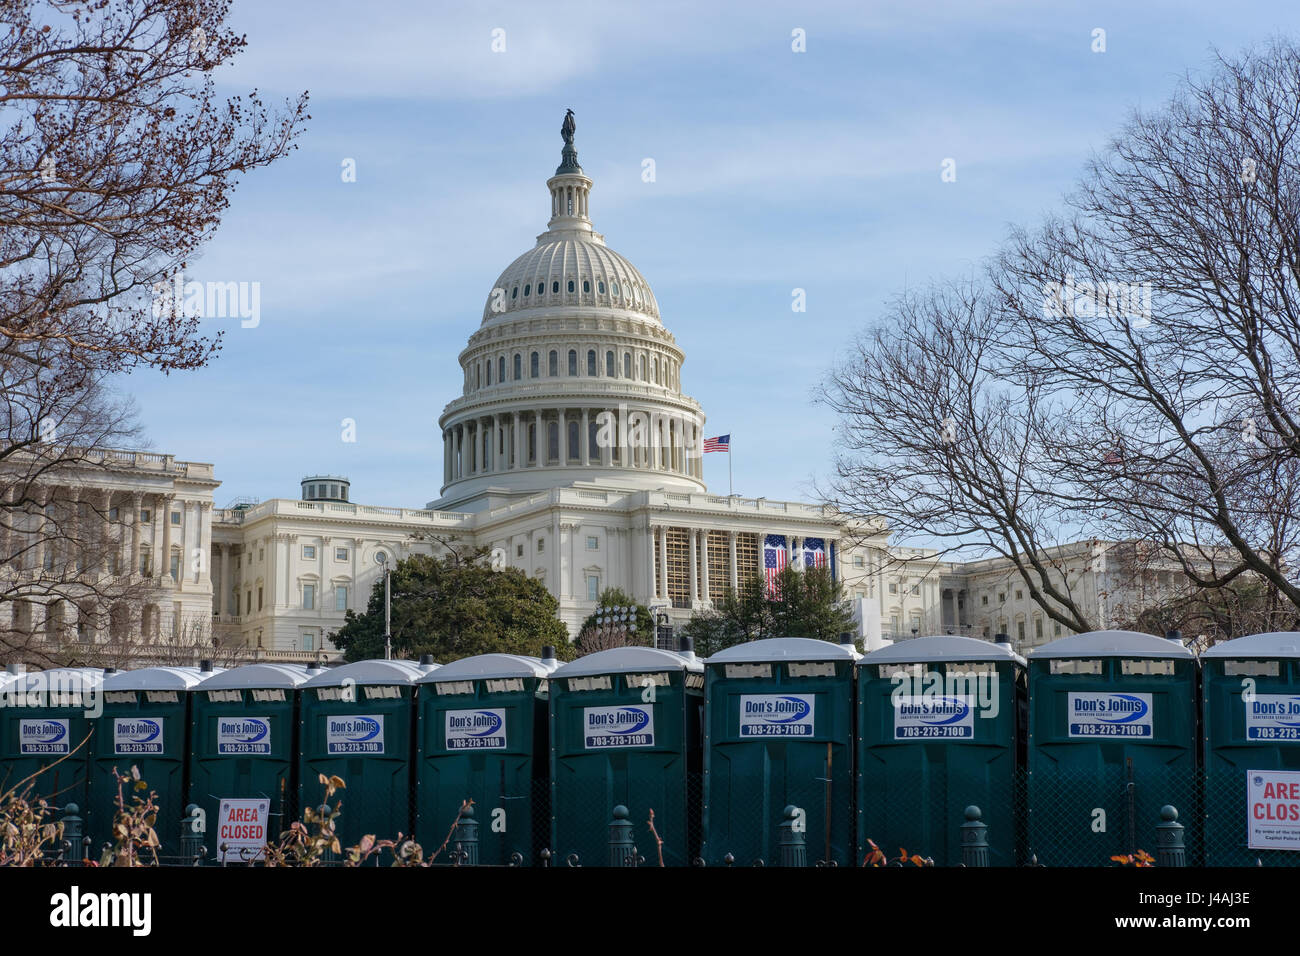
{"x":609,"y":617}
{"x":381,"y":558}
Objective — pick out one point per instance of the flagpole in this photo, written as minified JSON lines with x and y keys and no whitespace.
{"x":731,"y":487}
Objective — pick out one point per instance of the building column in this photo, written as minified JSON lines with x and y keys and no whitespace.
{"x":458,"y":460}
{"x":539,"y":440}
{"x":223,"y":585}
{"x":663,"y":563}
{"x":137,"y":505}
{"x":693,"y":534}
{"x":584,"y":439}
{"x":731,"y":556}
{"x":704,"y":568}
{"x":607,"y":450}
{"x":521,"y":440}
{"x":166,"y":510}
{"x":564,"y":438}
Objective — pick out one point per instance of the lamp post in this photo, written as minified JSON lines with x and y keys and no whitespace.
{"x":382,"y":559}
{"x":610,"y":617}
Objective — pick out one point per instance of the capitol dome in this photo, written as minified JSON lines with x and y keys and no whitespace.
{"x":571,"y":376}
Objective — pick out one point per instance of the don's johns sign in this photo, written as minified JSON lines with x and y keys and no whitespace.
{"x":777,"y":715}
{"x":1273,"y":717}
{"x":482,"y":729}
{"x":353,"y":734}
{"x":1110,"y":715}
{"x":934,"y":718}
{"x":243,"y":736}
{"x":629,"y":725}
{"x":137,"y":735}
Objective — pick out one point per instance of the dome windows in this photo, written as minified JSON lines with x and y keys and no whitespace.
{"x":527,"y":289}
{"x":573,"y":361}
{"x":570,"y":285}
{"x":627,"y":364}
{"x":586,"y":285}
{"x":533,"y":363}
{"x":501,"y":369}
{"x":514,"y":294}
{"x":555,"y":288}
{"x":609,"y":364}
{"x":591,"y":363}
{"x":553,"y":365}
{"x":613,"y":289}
{"x":519,"y":366}
{"x":600,"y":288}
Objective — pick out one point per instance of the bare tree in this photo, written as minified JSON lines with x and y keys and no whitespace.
{"x":117,"y":161}
{"x":1129,"y":371}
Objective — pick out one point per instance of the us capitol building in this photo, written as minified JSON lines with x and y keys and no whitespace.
{"x":572,"y":452}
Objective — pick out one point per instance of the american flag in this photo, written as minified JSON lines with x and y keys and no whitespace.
{"x":774,"y":562}
{"x":814,"y":551}
{"x":721,"y":443}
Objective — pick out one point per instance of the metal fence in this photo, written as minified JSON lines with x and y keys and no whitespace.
{"x":1105,"y":817}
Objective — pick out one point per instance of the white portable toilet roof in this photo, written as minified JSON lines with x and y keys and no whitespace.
{"x":785,"y":649}
{"x":1270,"y":644}
{"x":1111,"y":644}
{"x":255,"y":675}
{"x":627,"y":660}
{"x":154,"y":678}
{"x":942,"y":647}
{"x":368,"y":672}
{"x":74,"y":679}
{"x":489,"y":667}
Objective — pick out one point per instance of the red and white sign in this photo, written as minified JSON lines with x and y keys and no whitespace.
{"x":242,"y":829}
{"x":1273,"y":809}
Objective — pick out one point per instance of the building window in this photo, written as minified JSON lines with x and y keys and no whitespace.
{"x":532,"y":442}
{"x":261,"y":554}
{"x":600,"y":287}
{"x":593,"y":543}
{"x":1038,"y":628}
{"x":541,"y":545}
{"x":555,"y":287}
{"x":340,"y":554}
{"x":574,"y":448}
{"x":573,"y":361}
{"x":893,"y":588}
{"x":916,"y":589}
{"x":309,"y":551}
{"x":553,"y":441}
{"x":640,"y":362}
{"x":146,"y":566}
{"x":858,"y":561}
{"x":248,"y":603}
{"x":112,"y":514}
{"x":1002,"y":597}
{"x":175,"y":566}
{"x":591,"y":363}
{"x":308,"y":597}
{"x":1020,"y":595}
{"x":519,"y":366}
{"x":570,"y":210}
{"x":553,"y":364}
{"x":145,"y":515}
{"x":519,"y":551}
{"x":533,"y":365}
{"x":478,"y":375}
{"x":1020,"y":630}
{"x":593,"y":587}
{"x":340,"y":597}
{"x":627,"y":364}
{"x":586,"y":285}
{"x":489,"y":372}
{"x":1056,"y":629}
{"x":176,"y":517}
{"x":381,"y":558}
{"x":984,"y":600}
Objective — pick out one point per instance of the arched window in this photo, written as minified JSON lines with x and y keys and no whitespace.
{"x":574,"y":448}
{"x":501,"y":369}
{"x":591,"y":363}
{"x":613,"y":289}
{"x":609,"y":364}
{"x":532,"y":442}
{"x":586,"y":285}
{"x":570,"y":285}
{"x":593,"y":446}
{"x":489,"y":371}
{"x":519,"y":366}
{"x":478,"y":375}
{"x":553,"y":441}
{"x":514,"y":293}
{"x":553,"y":365}
{"x":600,"y":288}
{"x":555,"y":287}
{"x":640,"y":361}
{"x":533,"y":371}
{"x":573,"y":361}
{"x":527,"y":288}
{"x":627,"y":364}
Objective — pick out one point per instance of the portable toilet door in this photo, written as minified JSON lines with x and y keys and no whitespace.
{"x":1251,"y":725}
{"x":482,"y":736}
{"x":937,"y":732}
{"x":146,"y":716}
{"x":778,"y":735}
{"x":1112,"y":740}
{"x":243,"y":748}
{"x":48,"y":720}
{"x":355,"y":723}
{"x":626,"y":732}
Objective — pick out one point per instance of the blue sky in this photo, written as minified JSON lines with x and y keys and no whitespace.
{"x":775,"y":170}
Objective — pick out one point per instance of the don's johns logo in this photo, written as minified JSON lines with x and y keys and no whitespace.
{"x":1109,"y":715}
{"x":354,"y":734}
{"x":480,"y":729}
{"x":627,"y":726}
{"x":1272,"y":717}
{"x":138,"y":735}
{"x":776,"y":715}
{"x":934,"y":718}
{"x":43,"y":736}
{"x":243,"y":735}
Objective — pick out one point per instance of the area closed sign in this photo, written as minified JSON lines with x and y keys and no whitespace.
{"x":242,"y":829}
{"x":1273,"y":809}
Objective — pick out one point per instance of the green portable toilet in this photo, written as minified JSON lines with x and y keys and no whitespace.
{"x":146,"y":716}
{"x":1251,"y":722}
{"x":354,"y":722}
{"x":939,"y":730}
{"x":1112,"y":739}
{"x":482,"y":735}
{"x":626,"y":732}
{"x":48,"y":720}
{"x":243,"y":728}
{"x":778,"y":733}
